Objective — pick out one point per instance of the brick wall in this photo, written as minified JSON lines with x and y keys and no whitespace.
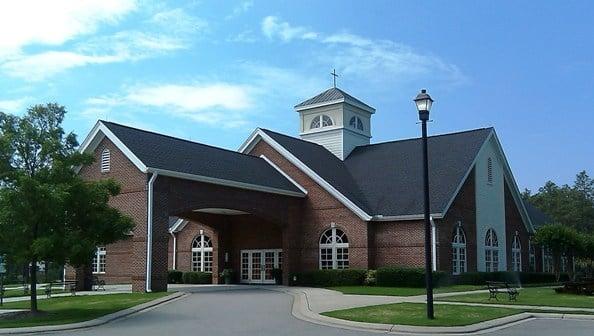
{"x":398,"y":244}
{"x":319,"y":210}
{"x":131,"y":201}
{"x":462,"y":210}
{"x":514,"y":223}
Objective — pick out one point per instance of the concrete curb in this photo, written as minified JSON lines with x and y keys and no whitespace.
{"x":301,"y":310}
{"x":96,"y":322}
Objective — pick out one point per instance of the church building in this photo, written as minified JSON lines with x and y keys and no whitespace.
{"x":328,"y":199}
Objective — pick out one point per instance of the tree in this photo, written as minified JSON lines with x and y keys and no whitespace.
{"x":47,"y":212}
{"x":561,"y":240}
{"x":568,"y":205}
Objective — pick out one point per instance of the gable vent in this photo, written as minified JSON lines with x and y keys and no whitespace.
{"x":105,"y":160}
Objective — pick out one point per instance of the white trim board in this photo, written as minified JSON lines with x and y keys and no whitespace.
{"x":100,"y":131}
{"x":258,"y":135}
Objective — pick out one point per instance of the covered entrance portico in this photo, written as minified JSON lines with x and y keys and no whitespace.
{"x":253,"y":231}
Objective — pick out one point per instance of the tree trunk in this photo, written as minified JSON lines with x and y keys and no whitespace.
{"x":557,"y":266}
{"x":33,"y":284}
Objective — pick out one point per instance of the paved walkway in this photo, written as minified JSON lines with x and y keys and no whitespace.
{"x":251,"y":310}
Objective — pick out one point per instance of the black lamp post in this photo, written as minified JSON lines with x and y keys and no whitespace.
{"x":423,"y":101}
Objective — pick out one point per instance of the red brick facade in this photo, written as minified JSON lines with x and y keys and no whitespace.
{"x":275,"y":221}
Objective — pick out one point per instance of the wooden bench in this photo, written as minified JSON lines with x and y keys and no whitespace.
{"x":496,"y":287}
{"x":98,"y":284}
{"x":66,"y":285}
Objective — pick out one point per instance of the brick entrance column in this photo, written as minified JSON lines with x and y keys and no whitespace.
{"x":160,"y":244}
{"x":291,"y":243}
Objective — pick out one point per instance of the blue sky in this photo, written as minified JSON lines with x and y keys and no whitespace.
{"x":212,"y":71}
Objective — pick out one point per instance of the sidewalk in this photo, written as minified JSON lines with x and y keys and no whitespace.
{"x":109,"y":289}
{"x":308,"y":303}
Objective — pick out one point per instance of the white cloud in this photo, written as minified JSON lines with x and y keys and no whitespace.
{"x":273,"y":27}
{"x":219,"y":103}
{"x":27,"y":22}
{"x":240,"y":9}
{"x":120,"y":47}
{"x":358,"y":56}
{"x":376,"y":60}
{"x":177,"y":20}
{"x":193,"y":97}
{"x":13,"y":105}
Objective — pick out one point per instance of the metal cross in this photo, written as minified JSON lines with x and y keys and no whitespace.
{"x":333,"y":73}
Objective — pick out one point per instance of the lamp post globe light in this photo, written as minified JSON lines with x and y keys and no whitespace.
{"x":424,"y":102}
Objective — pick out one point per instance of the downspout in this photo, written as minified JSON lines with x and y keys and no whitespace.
{"x":433,"y":245}
{"x":174,"y":257}
{"x":149,"y":234}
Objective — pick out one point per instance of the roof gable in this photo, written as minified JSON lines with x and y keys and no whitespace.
{"x":390,"y":173}
{"x":157,"y":153}
{"x":332,"y":96}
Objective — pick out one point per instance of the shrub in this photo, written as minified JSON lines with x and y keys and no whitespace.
{"x":197,"y":278}
{"x":370,"y":278}
{"x":329,"y":278}
{"x":406,"y":277}
{"x":277,"y":274}
{"x":174,"y":277}
{"x":522,"y":278}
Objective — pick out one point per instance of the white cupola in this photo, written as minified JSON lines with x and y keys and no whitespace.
{"x":336,"y":120}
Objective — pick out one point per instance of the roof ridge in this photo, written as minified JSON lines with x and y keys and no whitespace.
{"x":431,"y":136}
{"x":177,"y":138}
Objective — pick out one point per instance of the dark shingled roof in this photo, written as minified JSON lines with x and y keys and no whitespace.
{"x":329,"y":95}
{"x":386,"y":178}
{"x":537,"y":217}
{"x":168,"y":153}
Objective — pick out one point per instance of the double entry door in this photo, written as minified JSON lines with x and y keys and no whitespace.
{"x":257,"y":265}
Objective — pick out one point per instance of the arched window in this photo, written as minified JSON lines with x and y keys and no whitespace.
{"x":321,"y":121}
{"x":491,"y":251}
{"x":357,"y":123}
{"x":531,"y":256}
{"x":490,"y":171}
{"x":459,"y":250}
{"x":105,"y":160}
{"x":99,"y":263}
{"x":202,"y":254}
{"x":516,"y":254}
{"x":334,"y":249}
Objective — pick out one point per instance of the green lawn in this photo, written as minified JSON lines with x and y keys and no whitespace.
{"x":415,"y":314}
{"x":40,"y":292}
{"x":73,"y":309}
{"x":532,"y":297}
{"x":401,"y":291}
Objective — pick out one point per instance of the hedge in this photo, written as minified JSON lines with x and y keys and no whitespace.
{"x":174,"y":277}
{"x":329,"y":278}
{"x":406,"y":277}
{"x":479,"y":278}
{"x":197,"y":278}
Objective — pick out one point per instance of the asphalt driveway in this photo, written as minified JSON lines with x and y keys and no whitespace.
{"x":254,"y":311}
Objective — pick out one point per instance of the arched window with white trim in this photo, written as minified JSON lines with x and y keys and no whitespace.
{"x":491,"y":251}
{"x":531,"y":256}
{"x":321,"y":121}
{"x":516,"y":254}
{"x":202,"y":254}
{"x":334,"y":249}
{"x":459,"y":250}
{"x":357,"y":123}
{"x":105,"y":160}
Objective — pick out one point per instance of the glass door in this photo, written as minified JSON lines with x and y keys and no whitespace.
{"x":257,"y":265}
